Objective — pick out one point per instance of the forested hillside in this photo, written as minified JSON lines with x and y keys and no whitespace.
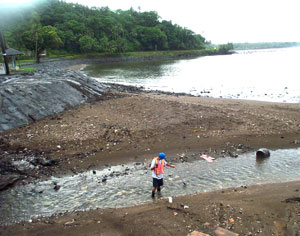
{"x":75,"y":28}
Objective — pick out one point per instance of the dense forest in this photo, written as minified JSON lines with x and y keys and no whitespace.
{"x":76,"y":28}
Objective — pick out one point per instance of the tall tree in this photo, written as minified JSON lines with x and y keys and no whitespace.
{"x":40,"y":38}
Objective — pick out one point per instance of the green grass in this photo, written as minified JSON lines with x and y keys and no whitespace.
{"x":26,"y":61}
{"x":135,"y":54}
{"x":25,"y":69}
{"x":56,"y":56}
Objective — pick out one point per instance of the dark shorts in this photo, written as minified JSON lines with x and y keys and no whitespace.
{"x":158,"y":182}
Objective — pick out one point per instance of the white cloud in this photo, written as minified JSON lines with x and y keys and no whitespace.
{"x":11,"y":4}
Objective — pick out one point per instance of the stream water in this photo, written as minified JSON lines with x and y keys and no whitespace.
{"x":128,"y":185}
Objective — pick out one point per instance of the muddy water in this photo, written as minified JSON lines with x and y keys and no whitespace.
{"x":129,"y":185}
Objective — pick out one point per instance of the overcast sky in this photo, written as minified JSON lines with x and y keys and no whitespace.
{"x":220,"y":21}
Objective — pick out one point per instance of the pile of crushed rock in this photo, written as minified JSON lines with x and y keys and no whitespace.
{"x":32,"y":96}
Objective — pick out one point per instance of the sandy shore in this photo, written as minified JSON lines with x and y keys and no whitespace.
{"x":122,"y":128}
{"x":77,"y":67}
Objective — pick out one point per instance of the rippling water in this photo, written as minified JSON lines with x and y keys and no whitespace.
{"x":87,"y":191}
{"x":266,"y":75}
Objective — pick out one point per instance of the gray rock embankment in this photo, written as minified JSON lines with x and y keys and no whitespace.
{"x":25,"y":98}
{"x":28,"y":97}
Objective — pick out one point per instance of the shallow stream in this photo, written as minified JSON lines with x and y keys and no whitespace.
{"x":128,"y":185}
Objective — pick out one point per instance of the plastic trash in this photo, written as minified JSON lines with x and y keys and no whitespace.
{"x":207,"y":158}
{"x":170,"y":199}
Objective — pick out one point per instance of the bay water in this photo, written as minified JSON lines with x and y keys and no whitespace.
{"x":265,"y":75}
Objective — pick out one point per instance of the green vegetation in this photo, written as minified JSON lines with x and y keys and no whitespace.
{"x":144,"y":54}
{"x":266,"y":45}
{"x":25,"y":69}
{"x":225,"y":48}
{"x":26,"y":62}
{"x":73,"y":29}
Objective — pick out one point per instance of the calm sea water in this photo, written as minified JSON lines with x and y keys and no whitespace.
{"x":265,"y":75}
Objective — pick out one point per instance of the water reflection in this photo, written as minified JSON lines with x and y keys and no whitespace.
{"x":261,"y":163}
{"x":134,"y":71}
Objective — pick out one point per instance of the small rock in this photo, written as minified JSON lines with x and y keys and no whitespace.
{"x":8,"y":180}
{"x":224,"y":232}
{"x":56,"y":187}
{"x":70,"y":222}
{"x":197,"y":233}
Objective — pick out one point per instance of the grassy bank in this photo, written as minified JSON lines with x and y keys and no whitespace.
{"x":54,"y":55}
{"x":179,"y":53}
{"x":24,"y":69}
{"x":25,"y":61}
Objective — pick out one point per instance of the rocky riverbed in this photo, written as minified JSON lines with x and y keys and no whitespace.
{"x":57,"y":122}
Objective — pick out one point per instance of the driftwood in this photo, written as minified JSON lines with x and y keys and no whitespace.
{"x":292,"y":199}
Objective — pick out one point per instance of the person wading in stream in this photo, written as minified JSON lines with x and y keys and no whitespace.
{"x":157,"y":167}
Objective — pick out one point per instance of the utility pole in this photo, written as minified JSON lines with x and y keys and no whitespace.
{"x":4,"y":53}
{"x":36,"y":47}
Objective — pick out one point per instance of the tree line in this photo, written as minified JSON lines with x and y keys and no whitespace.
{"x":76,"y":28}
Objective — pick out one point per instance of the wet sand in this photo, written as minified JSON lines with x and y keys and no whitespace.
{"x":77,"y":67}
